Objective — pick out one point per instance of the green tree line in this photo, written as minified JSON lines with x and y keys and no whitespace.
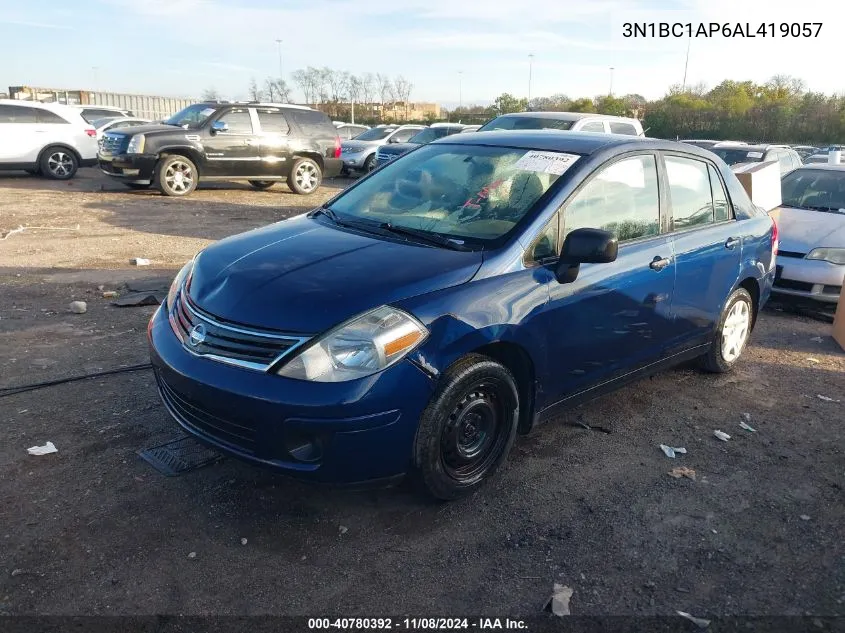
{"x":780,"y":110}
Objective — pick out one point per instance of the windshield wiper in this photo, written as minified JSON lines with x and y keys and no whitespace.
{"x":824,"y":209}
{"x":425,"y":236}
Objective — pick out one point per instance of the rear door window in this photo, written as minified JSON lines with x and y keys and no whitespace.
{"x":618,"y":127}
{"x":690,"y":191}
{"x":593,"y":126}
{"x":273,"y":121}
{"x":17,"y":114}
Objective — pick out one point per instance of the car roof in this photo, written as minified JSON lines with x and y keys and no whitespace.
{"x":584,"y":143}
{"x":563,"y":116}
{"x":760,"y":147}
{"x":97,"y":106}
{"x":37,"y":104}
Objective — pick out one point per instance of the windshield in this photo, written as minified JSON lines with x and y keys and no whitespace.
{"x":525,"y":123}
{"x":734,"y":156}
{"x":375,"y":134}
{"x":818,"y":189}
{"x":478,"y":193}
{"x":192,"y":116}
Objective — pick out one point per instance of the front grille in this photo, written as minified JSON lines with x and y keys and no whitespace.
{"x":191,"y":414}
{"x":789,"y":284}
{"x":113,"y":144}
{"x":226,"y":343}
{"x":795,"y":254}
{"x":383,"y":157}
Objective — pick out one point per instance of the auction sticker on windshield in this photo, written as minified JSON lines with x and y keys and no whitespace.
{"x":755,"y":154}
{"x":546,"y":162}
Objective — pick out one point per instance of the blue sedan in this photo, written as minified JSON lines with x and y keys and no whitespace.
{"x":456,"y":297}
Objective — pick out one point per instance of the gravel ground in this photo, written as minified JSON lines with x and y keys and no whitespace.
{"x":94,"y":529}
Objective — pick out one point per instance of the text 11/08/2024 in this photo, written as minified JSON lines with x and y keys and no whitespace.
{"x":721,"y":29}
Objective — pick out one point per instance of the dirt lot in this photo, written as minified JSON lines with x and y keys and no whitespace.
{"x":95,"y":530}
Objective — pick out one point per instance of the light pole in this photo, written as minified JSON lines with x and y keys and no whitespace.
{"x":460,"y":89}
{"x":686,"y":65}
{"x":279,"y":44}
{"x":530,"y":65}
{"x":611,"y":81}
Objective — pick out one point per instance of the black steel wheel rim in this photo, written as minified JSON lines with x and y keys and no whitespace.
{"x":474,"y":434}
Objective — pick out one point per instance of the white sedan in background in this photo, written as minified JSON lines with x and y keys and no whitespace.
{"x":811,"y":231}
{"x":112,"y":123}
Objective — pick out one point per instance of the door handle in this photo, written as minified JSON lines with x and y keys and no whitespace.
{"x":659,"y":263}
{"x":732,"y":242}
{"x":250,"y":142}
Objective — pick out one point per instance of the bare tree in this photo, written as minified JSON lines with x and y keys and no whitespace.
{"x":210,"y":94}
{"x":367,"y":88}
{"x":338,"y":82}
{"x":255,"y":93}
{"x":384,"y":87}
{"x":277,"y":90}
{"x":402,"y":89}
{"x":304,"y":79}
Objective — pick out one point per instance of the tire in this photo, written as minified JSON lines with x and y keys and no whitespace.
{"x":262,"y":185}
{"x":136,"y":185}
{"x":732,"y":333}
{"x":58,"y":163}
{"x":305,"y":176}
{"x":176,"y":175}
{"x":370,"y":164}
{"x":467,"y":429}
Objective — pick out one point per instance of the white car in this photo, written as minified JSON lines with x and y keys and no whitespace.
{"x":45,"y":138}
{"x":93,"y":113}
{"x":569,"y":121}
{"x":811,"y":233}
{"x":104,"y":125}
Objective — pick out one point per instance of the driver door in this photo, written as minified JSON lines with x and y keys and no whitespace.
{"x":233,"y":150}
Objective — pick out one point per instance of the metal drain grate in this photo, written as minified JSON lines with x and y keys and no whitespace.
{"x":179,"y":456}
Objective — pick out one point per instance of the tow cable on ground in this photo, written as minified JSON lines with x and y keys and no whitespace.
{"x":11,"y":391}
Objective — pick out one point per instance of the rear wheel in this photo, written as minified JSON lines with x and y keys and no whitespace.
{"x":58,"y":163}
{"x":262,"y":185}
{"x":176,"y":176}
{"x":467,"y":429}
{"x":305,"y":176}
{"x":732,"y":335}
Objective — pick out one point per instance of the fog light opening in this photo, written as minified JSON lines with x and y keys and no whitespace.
{"x":304,"y":448}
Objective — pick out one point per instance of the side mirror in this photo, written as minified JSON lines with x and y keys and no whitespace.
{"x":585,"y":246}
{"x":220,"y":126}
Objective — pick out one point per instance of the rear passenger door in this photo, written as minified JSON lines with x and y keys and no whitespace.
{"x":276,"y":156}
{"x":707,"y":245}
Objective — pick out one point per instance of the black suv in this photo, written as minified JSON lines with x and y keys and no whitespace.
{"x":261,"y":143}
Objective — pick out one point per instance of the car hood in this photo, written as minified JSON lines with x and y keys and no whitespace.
{"x":801,"y":230}
{"x":305,"y":276}
{"x":398,"y":148}
{"x":152,"y":128}
{"x":358,"y":146}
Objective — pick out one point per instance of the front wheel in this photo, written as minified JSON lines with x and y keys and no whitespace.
{"x":58,"y":163}
{"x":732,"y":335}
{"x":262,"y":185}
{"x":176,"y":176}
{"x":305,"y":176}
{"x":467,"y":429}
{"x":370,"y":164}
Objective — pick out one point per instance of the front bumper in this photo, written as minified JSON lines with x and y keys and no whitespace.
{"x":129,"y":167}
{"x":363,"y":430}
{"x":356,"y":160}
{"x":810,"y":279}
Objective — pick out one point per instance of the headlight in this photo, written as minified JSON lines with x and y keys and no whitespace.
{"x":177,"y":284}
{"x":136,"y":145}
{"x":360,"y":347}
{"x":832,"y":255}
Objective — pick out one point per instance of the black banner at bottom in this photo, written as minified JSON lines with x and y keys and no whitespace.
{"x":534,"y":624}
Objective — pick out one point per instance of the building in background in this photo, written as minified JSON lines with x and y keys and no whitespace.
{"x":151,"y":107}
{"x":397,"y":111}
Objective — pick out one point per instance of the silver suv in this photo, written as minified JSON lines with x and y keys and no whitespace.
{"x":359,"y":154}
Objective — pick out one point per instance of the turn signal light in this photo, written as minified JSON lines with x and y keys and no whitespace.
{"x":337,"y":147}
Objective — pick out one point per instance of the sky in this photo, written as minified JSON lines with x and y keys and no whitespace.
{"x":453,"y":51}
